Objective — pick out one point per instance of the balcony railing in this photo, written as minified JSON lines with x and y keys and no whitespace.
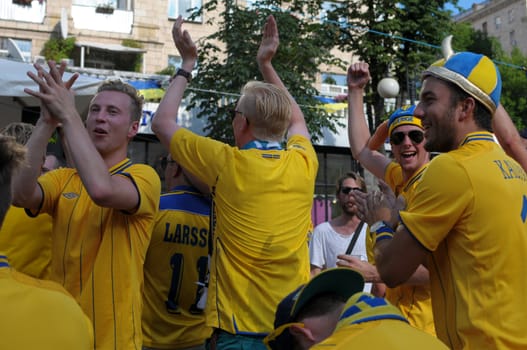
{"x":13,"y":12}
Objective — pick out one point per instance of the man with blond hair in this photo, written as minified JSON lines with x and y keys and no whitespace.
{"x":103,"y":210}
{"x":262,"y":196}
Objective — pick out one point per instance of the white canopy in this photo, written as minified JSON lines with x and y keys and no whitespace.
{"x":14,"y":79}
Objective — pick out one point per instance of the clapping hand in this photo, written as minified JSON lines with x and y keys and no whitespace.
{"x":379,"y":205}
{"x":57,"y":98}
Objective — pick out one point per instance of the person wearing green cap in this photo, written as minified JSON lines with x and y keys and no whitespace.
{"x":402,"y":175}
{"x":467,"y":219}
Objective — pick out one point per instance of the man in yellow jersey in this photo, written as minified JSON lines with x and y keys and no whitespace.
{"x":176,"y":266}
{"x":402,"y":175}
{"x":103,"y":209}
{"x":36,"y":314}
{"x":466,"y":220}
{"x":26,"y":240}
{"x":262,"y":195}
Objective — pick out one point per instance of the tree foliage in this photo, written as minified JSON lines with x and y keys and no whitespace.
{"x":227,"y":60}
{"x":513,"y":76}
{"x":396,"y":38}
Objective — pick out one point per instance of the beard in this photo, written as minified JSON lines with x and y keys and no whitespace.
{"x":443,"y":135}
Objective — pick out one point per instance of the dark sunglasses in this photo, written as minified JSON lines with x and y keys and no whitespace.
{"x":165,"y":162}
{"x":417,"y":136}
{"x":347,"y":190}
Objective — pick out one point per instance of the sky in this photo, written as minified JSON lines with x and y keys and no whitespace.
{"x":465,"y":4}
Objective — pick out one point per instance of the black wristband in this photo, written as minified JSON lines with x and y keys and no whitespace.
{"x":183,"y":73}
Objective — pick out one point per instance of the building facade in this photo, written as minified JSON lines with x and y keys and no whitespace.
{"x":505,"y":20}
{"x":113,"y":38}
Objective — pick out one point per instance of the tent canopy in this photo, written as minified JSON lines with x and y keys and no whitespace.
{"x":14,"y":80}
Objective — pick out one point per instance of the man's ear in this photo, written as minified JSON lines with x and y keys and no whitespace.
{"x":302,"y":332}
{"x":134,"y":128}
{"x":468,"y":107}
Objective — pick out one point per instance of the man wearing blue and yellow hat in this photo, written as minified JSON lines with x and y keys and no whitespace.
{"x":467,"y":219}
{"x":402,"y":176}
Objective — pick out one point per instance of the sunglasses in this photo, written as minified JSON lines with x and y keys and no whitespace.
{"x":417,"y":136}
{"x":347,"y":190}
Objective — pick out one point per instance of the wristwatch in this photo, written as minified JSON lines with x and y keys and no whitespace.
{"x":184,"y":73}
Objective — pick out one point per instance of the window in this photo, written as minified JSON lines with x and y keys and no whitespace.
{"x":17,"y":46}
{"x":484,"y":27}
{"x":497,"y":22}
{"x":117,"y":4}
{"x":512,"y":38}
{"x":174,"y":61}
{"x":511,"y":15}
{"x":334,"y":79}
{"x":183,"y":8}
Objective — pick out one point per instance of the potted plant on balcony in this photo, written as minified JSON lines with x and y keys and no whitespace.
{"x":106,"y":8}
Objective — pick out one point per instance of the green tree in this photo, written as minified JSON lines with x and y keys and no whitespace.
{"x":395,"y":38}
{"x":514,"y":79}
{"x":227,"y":60}
{"x":57,"y":48}
{"x":514,"y":87}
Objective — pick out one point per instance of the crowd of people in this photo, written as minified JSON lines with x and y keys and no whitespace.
{"x":227,"y":258}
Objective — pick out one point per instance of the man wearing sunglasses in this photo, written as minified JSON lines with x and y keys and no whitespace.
{"x":344,"y":234}
{"x":401,"y":174}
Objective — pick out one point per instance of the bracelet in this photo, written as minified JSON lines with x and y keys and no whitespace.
{"x":183,"y":73}
{"x":381,"y":231}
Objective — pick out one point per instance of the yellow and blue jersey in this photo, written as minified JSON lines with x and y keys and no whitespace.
{"x":262,"y":199}
{"x":414,"y":301}
{"x":98,"y":253}
{"x":470,"y":212}
{"x":176,"y":271}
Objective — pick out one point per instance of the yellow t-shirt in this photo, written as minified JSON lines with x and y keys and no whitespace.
{"x":176,"y":270}
{"x":39,"y":314}
{"x":98,"y":253}
{"x":27,"y":242}
{"x":470,"y":210}
{"x":414,"y":301}
{"x":367,"y":322}
{"x":262,"y":203}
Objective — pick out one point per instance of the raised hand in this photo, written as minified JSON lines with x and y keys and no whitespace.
{"x":44,"y":112}
{"x":269,"y":43}
{"x":186,"y":47}
{"x":358,"y":75}
{"x":55,"y":95}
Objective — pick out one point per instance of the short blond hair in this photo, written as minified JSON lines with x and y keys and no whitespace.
{"x":268,"y":110}
{"x":120,"y":86}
